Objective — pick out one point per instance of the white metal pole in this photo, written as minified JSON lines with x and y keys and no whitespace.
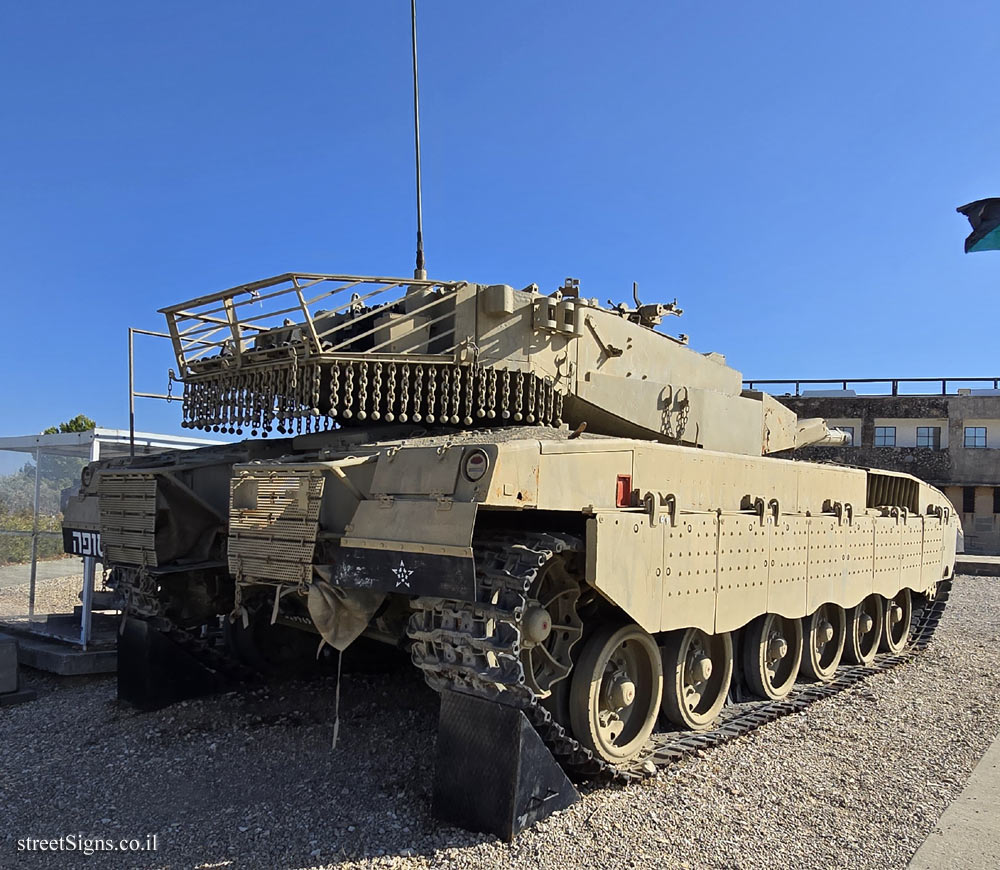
{"x":89,"y":566}
{"x":34,"y":535}
{"x":131,"y":393}
{"x":88,"y":600}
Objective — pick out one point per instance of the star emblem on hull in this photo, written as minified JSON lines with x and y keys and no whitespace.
{"x":403,"y":575}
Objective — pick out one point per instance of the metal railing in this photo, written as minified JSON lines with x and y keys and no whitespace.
{"x":892,"y":383}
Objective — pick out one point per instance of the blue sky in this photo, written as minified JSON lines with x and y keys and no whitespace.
{"x":789,"y":171}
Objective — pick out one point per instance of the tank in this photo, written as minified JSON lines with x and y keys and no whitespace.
{"x":551,"y":505}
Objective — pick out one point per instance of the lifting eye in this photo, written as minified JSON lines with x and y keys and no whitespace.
{"x":477,"y":463}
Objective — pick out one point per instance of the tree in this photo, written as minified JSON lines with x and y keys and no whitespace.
{"x":17,"y":497}
{"x":80,"y":423}
{"x":17,"y":490}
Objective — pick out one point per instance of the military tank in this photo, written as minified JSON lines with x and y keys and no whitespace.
{"x":562,"y":513}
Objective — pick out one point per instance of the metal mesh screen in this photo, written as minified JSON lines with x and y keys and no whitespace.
{"x":54,"y":589}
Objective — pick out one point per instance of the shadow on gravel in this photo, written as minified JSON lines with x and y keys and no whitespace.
{"x":245,"y":779}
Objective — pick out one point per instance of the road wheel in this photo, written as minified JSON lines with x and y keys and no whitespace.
{"x":772,"y":652}
{"x":864,"y":631}
{"x":896,"y":622}
{"x":824,"y":633}
{"x":698,"y":669}
{"x":615,"y":691}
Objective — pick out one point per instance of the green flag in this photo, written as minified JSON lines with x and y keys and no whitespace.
{"x":984,"y":215}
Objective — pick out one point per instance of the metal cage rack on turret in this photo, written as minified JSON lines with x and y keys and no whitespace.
{"x":300,"y":352}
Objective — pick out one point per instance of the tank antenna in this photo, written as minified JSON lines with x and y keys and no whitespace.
{"x":420,"y":273}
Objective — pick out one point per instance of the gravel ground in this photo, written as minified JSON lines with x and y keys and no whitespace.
{"x":58,"y":595}
{"x":249,"y":779}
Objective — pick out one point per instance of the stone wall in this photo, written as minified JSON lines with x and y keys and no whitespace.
{"x":954,"y":465}
{"x":933,"y":466}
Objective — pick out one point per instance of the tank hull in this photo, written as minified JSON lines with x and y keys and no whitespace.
{"x":674,"y":537}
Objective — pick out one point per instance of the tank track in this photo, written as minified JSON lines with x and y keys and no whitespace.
{"x":474,"y":647}
{"x":141,"y":602}
{"x":210,"y":655}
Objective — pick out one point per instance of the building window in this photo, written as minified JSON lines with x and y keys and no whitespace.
{"x":996,"y":499}
{"x":975,"y":436}
{"x":968,"y":499}
{"x":849,"y":432}
{"x":885,"y":436}
{"x":929,"y":436}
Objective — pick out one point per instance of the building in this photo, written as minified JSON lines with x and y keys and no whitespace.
{"x":950,"y":439}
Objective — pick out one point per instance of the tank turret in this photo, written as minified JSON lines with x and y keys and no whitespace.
{"x":302,"y":352}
